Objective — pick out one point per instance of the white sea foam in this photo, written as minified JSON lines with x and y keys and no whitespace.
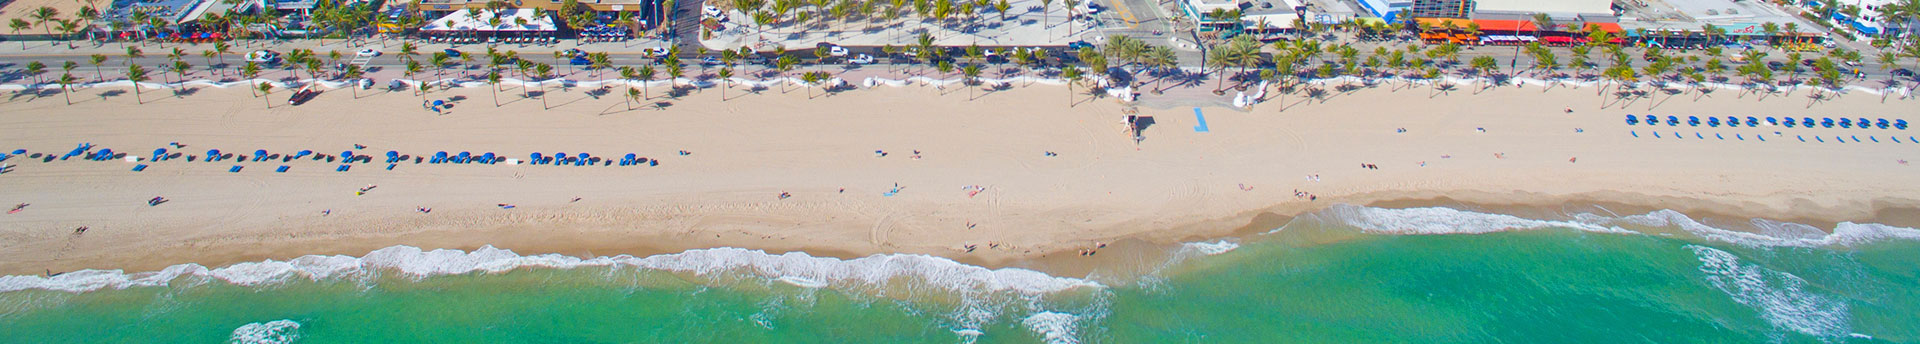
{"x":1844,"y":233}
{"x":1780,"y":297}
{"x":871,"y":271}
{"x":1055,"y":328}
{"x":1210,"y":248}
{"x":272,"y":332}
{"x":1437,"y":220}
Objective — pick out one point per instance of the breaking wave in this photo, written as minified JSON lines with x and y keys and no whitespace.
{"x":1766,"y":233}
{"x":795,"y":268}
{"x":272,"y":332}
{"x":1781,"y":298}
{"x":1053,"y":327}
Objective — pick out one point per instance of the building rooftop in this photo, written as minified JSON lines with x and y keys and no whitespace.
{"x":1545,"y":6}
{"x":173,"y":11}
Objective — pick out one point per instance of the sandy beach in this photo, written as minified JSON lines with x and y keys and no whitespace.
{"x":1501,"y":146}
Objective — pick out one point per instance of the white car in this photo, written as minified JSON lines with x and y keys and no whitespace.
{"x":654,"y":52}
{"x":263,"y":56}
{"x":368,"y":52}
{"x":837,"y":51}
{"x":711,"y":12}
{"x":861,"y":59}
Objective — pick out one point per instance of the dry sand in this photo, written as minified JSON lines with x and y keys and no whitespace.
{"x":1176,"y":185}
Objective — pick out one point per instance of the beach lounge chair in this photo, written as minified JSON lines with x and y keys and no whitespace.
{"x":1717,"y":136}
{"x":282,"y":169}
{"x":235,"y":169}
{"x":140,"y":167}
{"x":390,"y":166}
{"x":343,"y":168}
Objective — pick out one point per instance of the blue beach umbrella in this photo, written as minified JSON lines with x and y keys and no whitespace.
{"x":158,"y":153}
{"x":1864,"y":124}
{"x":1772,"y":121}
{"x":213,"y":155}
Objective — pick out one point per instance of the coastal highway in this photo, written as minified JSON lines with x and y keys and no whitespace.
{"x":12,"y":62}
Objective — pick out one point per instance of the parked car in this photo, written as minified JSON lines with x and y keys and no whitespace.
{"x":861,"y":59}
{"x":263,"y":56}
{"x":368,"y":52}
{"x":709,"y":11}
{"x":654,"y":52}
{"x":1076,"y":45}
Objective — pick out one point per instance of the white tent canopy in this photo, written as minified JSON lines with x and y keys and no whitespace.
{"x":509,"y":21}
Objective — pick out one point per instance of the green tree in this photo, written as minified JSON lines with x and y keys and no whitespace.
{"x":66,"y":81}
{"x":136,"y":75}
{"x":35,"y":69}
{"x":96,"y":60}
{"x":1072,"y":74}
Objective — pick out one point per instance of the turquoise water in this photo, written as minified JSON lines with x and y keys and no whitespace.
{"x":1351,"y":275}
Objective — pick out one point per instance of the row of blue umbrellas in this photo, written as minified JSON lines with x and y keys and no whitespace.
{"x":85,"y":150}
{"x":1751,"y":121}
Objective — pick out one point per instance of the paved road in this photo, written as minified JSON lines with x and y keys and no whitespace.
{"x":621,"y":56}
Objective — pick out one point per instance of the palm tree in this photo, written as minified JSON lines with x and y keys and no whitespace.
{"x":133,"y":53}
{"x":972,"y":73}
{"x":726,"y":79}
{"x":352,"y":74}
{"x":251,"y":71}
{"x":67,"y":29}
{"x":97,"y":60}
{"x":493,"y":79}
{"x":43,"y":15}
{"x":1772,"y":30}
{"x":136,"y":75}
{"x":543,"y":70}
{"x":221,"y":49}
{"x":439,"y":63}
{"x":180,"y":68}
{"x":265,"y":88}
{"x":645,"y":74}
{"x":413,"y":67}
{"x":66,"y":81}
{"x":35,"y":69}
{"x":1072,"y":74}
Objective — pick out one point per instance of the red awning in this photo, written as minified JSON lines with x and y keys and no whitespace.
{"x":1608,"y":27}
{"x":1557,"y":39}
{"x":1504,"y":25}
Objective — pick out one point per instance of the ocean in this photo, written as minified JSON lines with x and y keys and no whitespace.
{"x":1342,"y":275}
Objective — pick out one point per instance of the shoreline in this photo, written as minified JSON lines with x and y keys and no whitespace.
{"x":1174,"y":194}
